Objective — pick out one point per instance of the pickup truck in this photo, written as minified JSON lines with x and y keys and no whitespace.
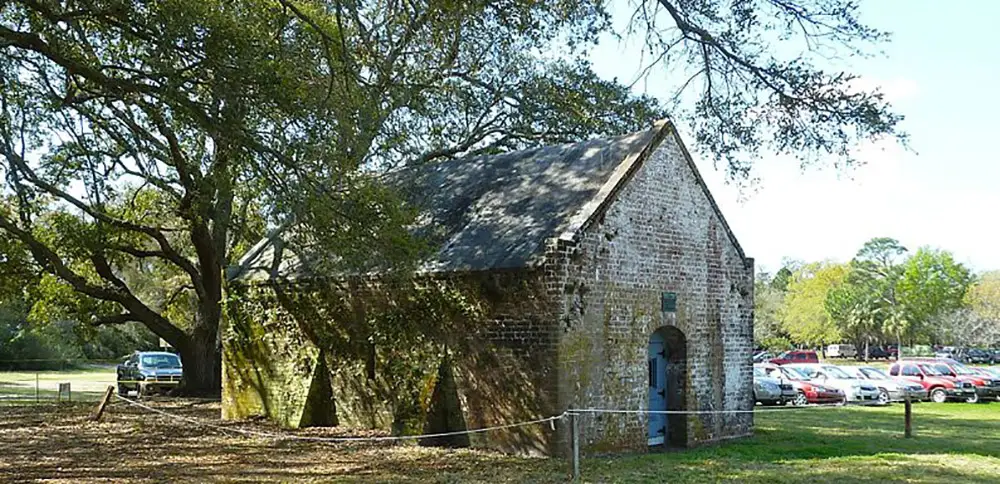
{"x":149,"y":372}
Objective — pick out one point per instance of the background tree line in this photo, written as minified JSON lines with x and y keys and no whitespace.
{"x":884,"y":295}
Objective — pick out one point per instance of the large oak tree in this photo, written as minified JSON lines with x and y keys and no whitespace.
{"x":144,"y":145}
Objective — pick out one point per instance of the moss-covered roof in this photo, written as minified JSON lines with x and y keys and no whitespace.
{"x":492,"y":212}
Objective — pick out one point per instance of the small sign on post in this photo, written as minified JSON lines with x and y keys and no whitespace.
{"x":65,"y":388}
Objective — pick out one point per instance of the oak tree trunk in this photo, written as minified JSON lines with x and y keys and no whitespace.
{"x":201,"y":355}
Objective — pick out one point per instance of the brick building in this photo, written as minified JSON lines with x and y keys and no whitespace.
{"x":596,"y":275}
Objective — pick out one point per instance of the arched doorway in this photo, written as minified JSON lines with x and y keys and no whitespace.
{"x":667,"y":357}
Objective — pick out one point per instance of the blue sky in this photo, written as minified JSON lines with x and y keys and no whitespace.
{"x":941,"y":71}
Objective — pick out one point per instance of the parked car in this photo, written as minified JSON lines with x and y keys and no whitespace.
{"x":796,"y":356}
{"x":974,"y":355}
{"x":893,"y":351}
{"x":771,"y":391}
{"x":987,"y":388}
{"x":986,"y":372}
{"x":994,"y":355}
{"x":890,"y":389}
{"x":855,"y":390}
{"x":841,"y":351}
{"x":148,"y":372}
{"x":877,"y":353}
{"x":945,"y":352}
{"x":940,"y":388}
{"x":806,"y":390}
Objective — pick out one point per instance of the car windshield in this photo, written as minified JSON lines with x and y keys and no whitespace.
{"x":962,"y":369}
{"x":795,"y":374}
{"x":784,"y":355}
{"x":874,"y":374}
{"x":930,"y":370}
{"x":161,"y":361}
{"x":838,"y":373}
{"x":943,"y":369}
{"x":807,"y":371}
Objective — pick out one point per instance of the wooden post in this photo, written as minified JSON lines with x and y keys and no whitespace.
{"x":908,"y":431}
{"x":574,"y":425}
{"x":36,"y":387}
{"x":104,"y":403}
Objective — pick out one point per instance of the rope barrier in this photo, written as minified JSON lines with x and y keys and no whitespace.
{"x":273,"y":436}
{"x":712,"y":412}
{"x":552,"y":419}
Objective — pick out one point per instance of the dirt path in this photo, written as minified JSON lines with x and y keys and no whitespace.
{"x":54,"y":443}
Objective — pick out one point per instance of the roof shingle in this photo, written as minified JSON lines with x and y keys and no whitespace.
{"x":487,"y":212}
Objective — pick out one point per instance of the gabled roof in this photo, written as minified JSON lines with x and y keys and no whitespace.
{"x":495,"y":212}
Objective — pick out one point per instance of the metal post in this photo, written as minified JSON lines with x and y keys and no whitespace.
{"x":908,"y":432}
{"x":36,"y":387}
{"x":574,"y":425}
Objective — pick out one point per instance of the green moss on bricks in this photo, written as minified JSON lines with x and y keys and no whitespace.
{"x":698,"y":427}
{"x":382,"y":343}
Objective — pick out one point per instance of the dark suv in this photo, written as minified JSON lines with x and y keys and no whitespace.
{"x":149,"y":371}
{"x":973,"y":355}
{"x":877,"y":353}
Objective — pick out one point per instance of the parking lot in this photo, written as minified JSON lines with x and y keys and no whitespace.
{"x":799,"y":377}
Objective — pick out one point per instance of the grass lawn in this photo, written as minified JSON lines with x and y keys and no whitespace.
{"x":955,"y":443}
{"x":86,"y":383}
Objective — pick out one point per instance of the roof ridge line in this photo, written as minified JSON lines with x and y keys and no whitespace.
{"x":584,"y":217}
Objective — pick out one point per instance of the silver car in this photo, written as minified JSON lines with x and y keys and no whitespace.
{"x":890,"y":389}
{"x":771,"y":391}
{"x":855,"y":389}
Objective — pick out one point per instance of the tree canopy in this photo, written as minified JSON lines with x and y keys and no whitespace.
{"x":752,"y":77}
{"x":145,"y":145}
{"x":805,"y":315}
{"x":884,"y":295}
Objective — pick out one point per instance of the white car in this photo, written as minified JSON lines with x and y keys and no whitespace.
{"x":841,"y":351}
{"x":890,"y":389}
{"x":855,"y":389}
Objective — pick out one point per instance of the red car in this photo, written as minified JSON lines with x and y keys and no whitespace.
{"x":987,"y":388}
{"x":939,"y":385}
{"x":795,"y":356}
{"x":807,"y":390}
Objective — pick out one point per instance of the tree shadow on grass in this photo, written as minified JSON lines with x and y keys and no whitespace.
{"x":129,"y":445}
{"x":954,"y":443}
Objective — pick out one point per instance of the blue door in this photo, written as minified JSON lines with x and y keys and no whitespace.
{"x":657,"y":389}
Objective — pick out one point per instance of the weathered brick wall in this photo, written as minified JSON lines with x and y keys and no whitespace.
{"x":499,"y":329}
{"x":659,"y":233}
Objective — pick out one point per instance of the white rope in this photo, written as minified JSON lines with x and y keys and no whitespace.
{"x":274,"y":436}
{"x":707,"y":412}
